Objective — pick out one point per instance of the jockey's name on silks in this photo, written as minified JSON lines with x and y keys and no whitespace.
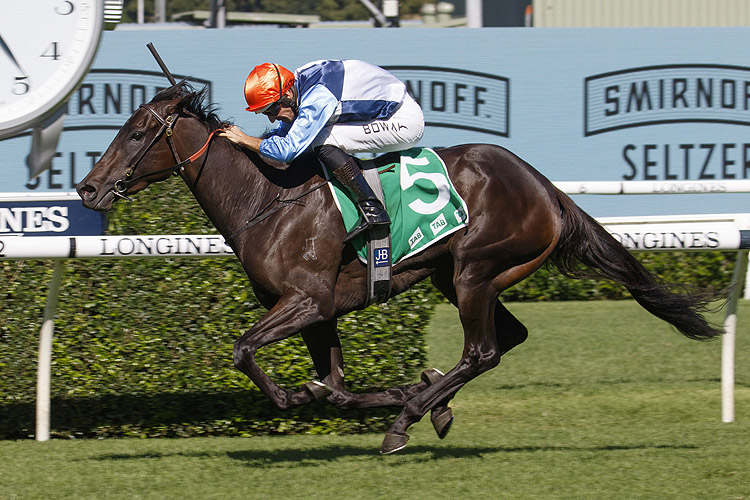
{"x":421,"y":200}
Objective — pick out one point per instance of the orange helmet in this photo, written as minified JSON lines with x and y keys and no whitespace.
{"x":265,"y":85}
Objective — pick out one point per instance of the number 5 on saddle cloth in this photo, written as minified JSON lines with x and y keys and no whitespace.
{"x":422,"y":203}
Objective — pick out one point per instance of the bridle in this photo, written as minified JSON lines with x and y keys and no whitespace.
{"x":167,"y":124}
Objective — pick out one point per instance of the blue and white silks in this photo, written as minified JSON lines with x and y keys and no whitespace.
{"x":332,"y":92}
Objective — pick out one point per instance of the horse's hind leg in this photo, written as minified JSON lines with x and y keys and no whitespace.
{"x":481,"y":353}
{"x":441,"y":415}
{"x":509,"y":331}
{"x":323,"y":343}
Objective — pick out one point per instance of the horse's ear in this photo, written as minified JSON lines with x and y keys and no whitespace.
{"x":180,"y":103}
{"x":185,"y":100}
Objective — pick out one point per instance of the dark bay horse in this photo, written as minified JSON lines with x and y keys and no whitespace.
{"x":268,"y":213}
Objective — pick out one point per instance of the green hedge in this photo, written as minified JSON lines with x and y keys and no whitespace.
{"x":144,"y":347}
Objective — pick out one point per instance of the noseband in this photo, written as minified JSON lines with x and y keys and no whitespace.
{"x":167,"y":125}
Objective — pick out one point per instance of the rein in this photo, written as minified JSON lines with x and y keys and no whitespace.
{"x":264,"y":213}
{"x":167,"y":124}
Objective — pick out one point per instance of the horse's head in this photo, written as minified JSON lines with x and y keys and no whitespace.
{"x":142,"y":151}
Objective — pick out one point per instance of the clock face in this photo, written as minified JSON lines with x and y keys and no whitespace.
{"x":46,"y":47}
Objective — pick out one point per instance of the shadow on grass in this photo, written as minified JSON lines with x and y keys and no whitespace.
{"x":302,"y":457}
{"x":312,"y":457}
{"x":227,"y":413}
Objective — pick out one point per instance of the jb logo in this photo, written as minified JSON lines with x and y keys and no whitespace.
{"x":382,"y":257}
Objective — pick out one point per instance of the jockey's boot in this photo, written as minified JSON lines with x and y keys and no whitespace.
{"x":372,"y":210}
{"x":345,"y":169}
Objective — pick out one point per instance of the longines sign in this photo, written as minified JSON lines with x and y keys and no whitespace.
{"x":49,"y":218}
{"x":664,"y":238}
{"x":92,"y":247}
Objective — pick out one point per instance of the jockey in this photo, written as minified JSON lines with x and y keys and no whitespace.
{"x":335,"y":108}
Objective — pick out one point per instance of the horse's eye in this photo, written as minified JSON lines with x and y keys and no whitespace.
{"x":136,"y":136}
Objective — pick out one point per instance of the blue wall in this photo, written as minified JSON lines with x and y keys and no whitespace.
{"x":579,"y":104}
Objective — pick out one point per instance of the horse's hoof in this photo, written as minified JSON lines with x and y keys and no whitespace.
{"x":318,"y":390}
{"x":393,"y":443}
{"x":442,"y":420}
{"x":431,"y":376}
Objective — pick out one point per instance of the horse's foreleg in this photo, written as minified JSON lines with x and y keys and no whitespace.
{"x":293,"y":312}
{"x":323,"y":343}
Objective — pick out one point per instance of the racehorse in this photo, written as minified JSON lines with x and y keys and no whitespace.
{"x":268,"y":212}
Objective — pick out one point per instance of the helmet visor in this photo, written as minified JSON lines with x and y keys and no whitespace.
{"x":270,"y":110}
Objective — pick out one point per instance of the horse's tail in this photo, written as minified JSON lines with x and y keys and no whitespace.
{"x":586,"y":249}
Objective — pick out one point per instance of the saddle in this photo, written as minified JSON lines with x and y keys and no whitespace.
{"x":421,"y":201}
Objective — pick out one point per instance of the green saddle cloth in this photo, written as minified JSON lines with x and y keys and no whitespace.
{"x":421,"y":201}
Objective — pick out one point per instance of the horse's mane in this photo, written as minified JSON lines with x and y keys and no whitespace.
{"x":197,"y":104}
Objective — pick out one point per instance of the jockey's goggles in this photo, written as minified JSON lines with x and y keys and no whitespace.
{"x":272,"y":109}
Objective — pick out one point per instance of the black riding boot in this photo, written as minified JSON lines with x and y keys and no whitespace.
{"x":346,"y":170}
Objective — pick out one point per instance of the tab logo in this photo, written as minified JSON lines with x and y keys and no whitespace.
{"x":415,"y":238}
{"x":675,"y":93}
{"x":460,"y":215}
{"x":461,"y":99}
{"x":438,"y":224}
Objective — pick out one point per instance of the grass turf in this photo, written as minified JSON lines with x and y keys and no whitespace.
{"x":603,"y":401}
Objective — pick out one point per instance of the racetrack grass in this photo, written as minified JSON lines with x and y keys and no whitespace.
{"x":603,"y":401}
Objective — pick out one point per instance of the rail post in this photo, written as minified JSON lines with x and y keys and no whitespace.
{"x":728,"y":340}
{"x":44,"y":367}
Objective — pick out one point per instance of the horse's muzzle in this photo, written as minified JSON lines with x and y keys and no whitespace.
{"x":92,"y":198}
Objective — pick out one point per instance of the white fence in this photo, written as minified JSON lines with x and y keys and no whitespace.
{"x":664,"y":233}
{"x":654,"y":187}
{"x":91,"y":247}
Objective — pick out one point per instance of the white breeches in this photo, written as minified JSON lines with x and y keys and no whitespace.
{"x":402,"y":130}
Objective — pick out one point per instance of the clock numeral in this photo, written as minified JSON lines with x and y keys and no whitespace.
{"x":21,"y":86}
{"x":67,"y":10}
{"x":51,"y":52}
